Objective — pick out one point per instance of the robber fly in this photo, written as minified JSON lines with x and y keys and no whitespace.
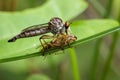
{"x":59,"y":43}
{"x":54,"y":26}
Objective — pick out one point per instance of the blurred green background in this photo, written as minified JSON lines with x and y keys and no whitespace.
{"x":91,"y":56}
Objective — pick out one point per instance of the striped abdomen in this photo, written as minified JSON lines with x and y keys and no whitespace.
{"x":30,"y":33}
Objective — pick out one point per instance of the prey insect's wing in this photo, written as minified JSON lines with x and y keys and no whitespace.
{"x":35,"y":27}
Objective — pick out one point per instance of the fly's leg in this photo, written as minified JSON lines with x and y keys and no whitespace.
{"x":63,"y":41}
{"x":70,"y":39}
{"x":68,"y":43}
{"x":42,"y":38}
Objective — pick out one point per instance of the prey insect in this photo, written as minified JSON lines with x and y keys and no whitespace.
{"x":60,"y":43}
{"x":54,"y":26}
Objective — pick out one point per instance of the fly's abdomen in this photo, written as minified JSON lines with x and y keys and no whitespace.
{"x":29,"y":33}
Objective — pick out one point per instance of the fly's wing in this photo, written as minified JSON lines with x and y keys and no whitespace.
{"x":35,"y":27}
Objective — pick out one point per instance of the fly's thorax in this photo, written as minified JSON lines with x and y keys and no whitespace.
{"x":56,"y":25}
{"x":56,"y":21}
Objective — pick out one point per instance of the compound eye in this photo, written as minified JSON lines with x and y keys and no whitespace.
{"x":67,"y":24}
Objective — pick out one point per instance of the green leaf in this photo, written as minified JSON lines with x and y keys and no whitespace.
{"x":11,"y":23}
{"x":92,"y":29}
{"x":85,"y":30}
